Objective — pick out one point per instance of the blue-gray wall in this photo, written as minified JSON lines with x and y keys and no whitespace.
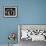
{"x":29,"y":12}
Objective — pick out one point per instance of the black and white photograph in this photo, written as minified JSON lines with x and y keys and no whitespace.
{"x":10,"y":12}
{"x":30,"y":34}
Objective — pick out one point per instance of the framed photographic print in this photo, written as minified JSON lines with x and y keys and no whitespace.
{"x":33,"y":32}
{"x":10,"y":11}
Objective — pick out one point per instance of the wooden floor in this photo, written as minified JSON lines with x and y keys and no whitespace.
{"x":30,"y":43}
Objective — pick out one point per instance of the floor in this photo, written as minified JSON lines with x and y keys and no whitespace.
{"x":7,"y":45}
{"x":34,"y":43}
{"x":28,"y":43}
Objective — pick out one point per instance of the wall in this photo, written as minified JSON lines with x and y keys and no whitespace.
{"x":7,"y":25}
{"x":29,"y":12}
{"x":32,"y":11}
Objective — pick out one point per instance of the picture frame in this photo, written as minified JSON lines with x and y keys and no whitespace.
{"x":37,"y":29}
{"x":10,"y":11}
